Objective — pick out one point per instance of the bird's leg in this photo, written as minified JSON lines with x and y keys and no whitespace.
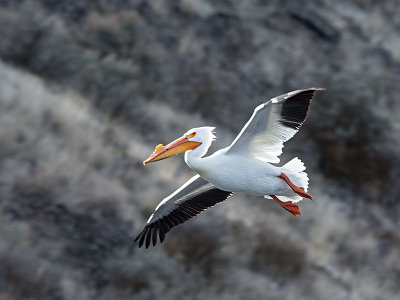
{"x":298,"y":190}
{"x":288,"y":205}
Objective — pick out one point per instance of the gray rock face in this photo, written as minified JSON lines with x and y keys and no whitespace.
{"x":109,"y":81}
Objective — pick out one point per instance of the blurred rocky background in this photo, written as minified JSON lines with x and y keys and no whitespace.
{"x":88,"y":88}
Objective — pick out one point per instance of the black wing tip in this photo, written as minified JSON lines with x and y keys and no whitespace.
{"x":295,"y":106}
{"x":184,"y":212}
{"x":140,"y":238}
{"x":148,"y":236}
{"x":154,"y":235}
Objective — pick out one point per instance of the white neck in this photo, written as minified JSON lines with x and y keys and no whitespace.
{"x":193,"y":158}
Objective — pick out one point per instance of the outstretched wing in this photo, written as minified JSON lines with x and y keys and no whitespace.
{"x":272,"y":124}
{"x":188,"y":201}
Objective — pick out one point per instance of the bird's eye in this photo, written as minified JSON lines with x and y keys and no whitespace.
{"x":190,"y":135}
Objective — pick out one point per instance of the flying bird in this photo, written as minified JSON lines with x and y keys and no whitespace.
{"x":244,"y":166}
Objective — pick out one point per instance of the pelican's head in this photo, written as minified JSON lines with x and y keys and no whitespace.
{"x":192,"y":139}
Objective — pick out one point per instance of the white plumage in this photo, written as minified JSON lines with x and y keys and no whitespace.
{"x":244,"y":166}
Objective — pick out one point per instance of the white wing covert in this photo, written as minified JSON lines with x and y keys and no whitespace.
{"x":272,"y":124}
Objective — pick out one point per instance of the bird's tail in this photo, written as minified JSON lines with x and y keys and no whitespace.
{"x":299,"y":178}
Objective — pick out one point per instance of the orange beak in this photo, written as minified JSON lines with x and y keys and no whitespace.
{"x":174,"y":148}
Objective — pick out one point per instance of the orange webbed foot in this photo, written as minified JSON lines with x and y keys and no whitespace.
{"x":288,"y":205}
{"x":298,"y":190}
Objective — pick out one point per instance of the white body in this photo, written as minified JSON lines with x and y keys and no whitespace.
{"x":235,"y":173}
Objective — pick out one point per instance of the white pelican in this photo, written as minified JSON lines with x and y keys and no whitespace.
{"x":244,"y":166}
